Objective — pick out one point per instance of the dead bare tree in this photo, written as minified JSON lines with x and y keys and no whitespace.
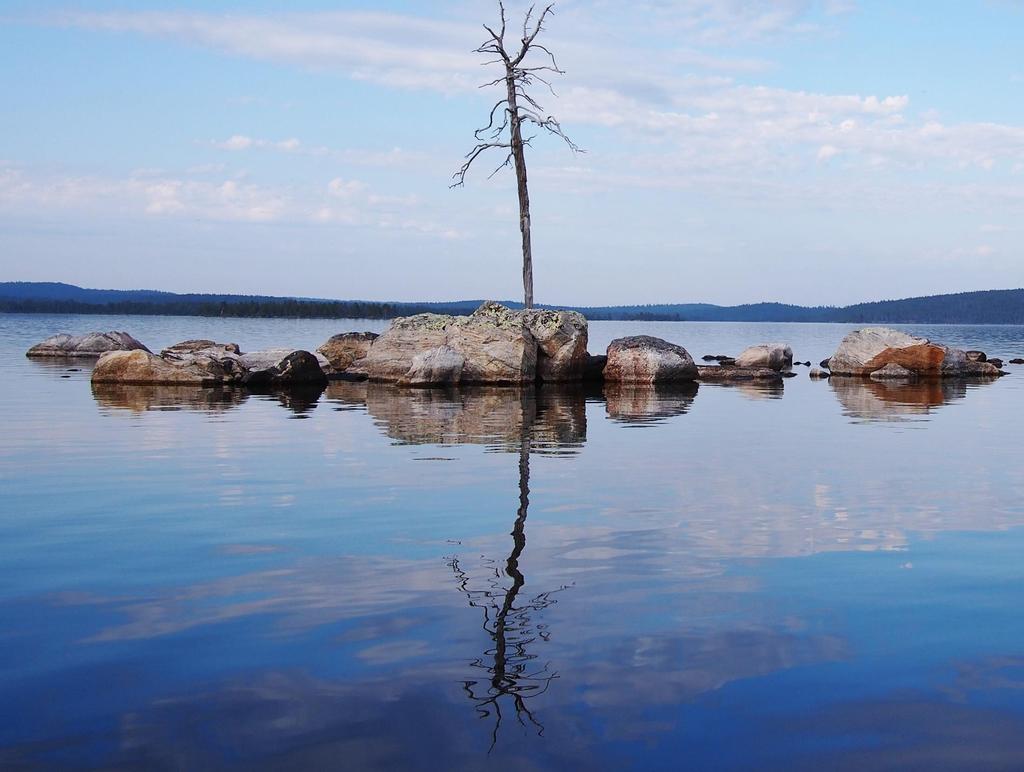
{"x":504,"y":127}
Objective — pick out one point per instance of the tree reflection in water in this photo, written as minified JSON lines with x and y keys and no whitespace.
{"x":514,"y":673}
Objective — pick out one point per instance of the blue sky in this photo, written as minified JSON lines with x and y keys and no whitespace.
{"x":737,"y":150}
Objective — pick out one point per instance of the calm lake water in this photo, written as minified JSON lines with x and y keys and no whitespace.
{"x":814,"y":576}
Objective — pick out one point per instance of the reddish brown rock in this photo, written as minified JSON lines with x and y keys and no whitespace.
{"x":345,"y":352}
{"x":924,"y":359}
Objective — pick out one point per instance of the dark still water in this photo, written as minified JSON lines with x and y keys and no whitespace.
{"x":816,"y":576}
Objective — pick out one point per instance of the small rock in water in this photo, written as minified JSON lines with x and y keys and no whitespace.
{"x":1017,"y":361}
{"x":817,"y":373}
{"x":90,"y":345}
{"x":728,"y":374}
{"x":994,"y":361}
{"x":775,"y":356}
{"x":892,"y":370}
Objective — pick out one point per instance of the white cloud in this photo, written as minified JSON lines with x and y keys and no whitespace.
{"x":230,"y":200}
{"x":238,"y":142}
{"x":825,"y":152}
{"x":703,"y":121}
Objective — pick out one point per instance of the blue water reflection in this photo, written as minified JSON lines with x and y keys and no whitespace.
{"x":818,"y":575}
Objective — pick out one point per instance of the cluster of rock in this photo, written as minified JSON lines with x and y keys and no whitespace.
{"x":880,"y":352}
{"x":207,"y":363}
{"x":498,"y":345}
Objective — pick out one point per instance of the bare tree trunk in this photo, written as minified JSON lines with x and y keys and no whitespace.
{"x":517,"y":78}
{"x":519,"y":159}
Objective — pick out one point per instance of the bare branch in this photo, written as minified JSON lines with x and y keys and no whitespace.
{"x":506,"y":162}
{"x":551,"y":55}
{"x":528,"y":37}
{"x":552,"y":126}
{"x":460,"y":175}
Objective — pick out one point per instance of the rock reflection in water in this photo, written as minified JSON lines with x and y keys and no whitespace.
{"x":643,"y":405}
{"x":752,"y":389}
{"x":300,"y":400}
{"x":554,"y":418}
{"x":138,"y":398}
{"x":866,"y":399}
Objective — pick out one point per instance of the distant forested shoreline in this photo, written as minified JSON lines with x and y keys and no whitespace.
{"x":983,"y":307}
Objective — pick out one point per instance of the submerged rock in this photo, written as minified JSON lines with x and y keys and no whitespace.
{"x":645,"y":359}
{"x":92,"y":344}
{"x":892,"y":353}
{"x":724,"y":373}
{"x":775,"y":356}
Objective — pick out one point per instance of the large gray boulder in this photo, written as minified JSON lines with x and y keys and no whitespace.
{"x":644,"y":359}
{"x":885,"y":353}
{"x":391,"y":353}
{"x":144,"y":367}
{"x":92,"y":344}
{"x":774,"y":356}
{"x":496,"y":345}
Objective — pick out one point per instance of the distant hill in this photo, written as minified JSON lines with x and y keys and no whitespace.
{"x":985,"y":307}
